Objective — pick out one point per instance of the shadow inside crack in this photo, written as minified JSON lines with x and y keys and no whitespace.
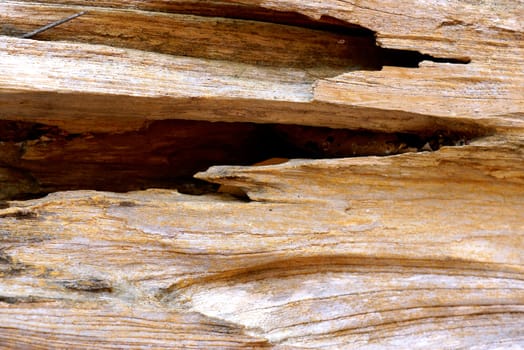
{"x":40,"y":159}
{"x":245,"y":34}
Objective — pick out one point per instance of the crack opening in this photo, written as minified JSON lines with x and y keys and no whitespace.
{"x":244,"y":34}
{"x":412,"y":59}
{"x":167,"y":153}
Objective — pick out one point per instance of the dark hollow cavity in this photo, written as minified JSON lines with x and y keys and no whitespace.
{"x":39,"y":159}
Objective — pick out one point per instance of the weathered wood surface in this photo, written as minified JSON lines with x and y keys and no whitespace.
{"x":415,"y":250}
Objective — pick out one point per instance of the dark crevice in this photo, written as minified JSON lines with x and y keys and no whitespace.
{"x":166,"y":154}
{"x":93,"y":285}
{"x":247,"y":34}
{"x":412,"y":59}
{"x":17,"y":131}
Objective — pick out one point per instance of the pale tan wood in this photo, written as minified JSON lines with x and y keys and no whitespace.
{"x":417,"y":250}
{"x":156,"y":84}
{"x":378,"y":252}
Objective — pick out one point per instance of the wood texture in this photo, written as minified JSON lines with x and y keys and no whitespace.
{"x":415,"y":243}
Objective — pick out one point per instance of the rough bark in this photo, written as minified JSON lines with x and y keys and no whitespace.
{"x":390,"y":213}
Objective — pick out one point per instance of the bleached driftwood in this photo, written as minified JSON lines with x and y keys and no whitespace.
{"x":407,"y":246}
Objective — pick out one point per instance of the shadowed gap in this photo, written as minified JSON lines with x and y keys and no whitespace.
{"x":244,"y":34}
{"x":39,"y":159}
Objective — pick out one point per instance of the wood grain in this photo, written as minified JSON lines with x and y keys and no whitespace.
{"x":417,"y":250}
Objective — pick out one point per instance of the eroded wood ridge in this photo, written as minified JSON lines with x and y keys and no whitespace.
{"x":340,"y":250}
{"x":144,"y":327}
{"x":416,"y":243}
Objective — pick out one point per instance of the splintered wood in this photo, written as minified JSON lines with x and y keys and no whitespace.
{"x":418,"y":250}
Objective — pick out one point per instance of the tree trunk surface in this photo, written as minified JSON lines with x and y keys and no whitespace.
{"x":250,"y":174}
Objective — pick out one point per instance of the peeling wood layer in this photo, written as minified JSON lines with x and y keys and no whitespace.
{"x":225,"y":70}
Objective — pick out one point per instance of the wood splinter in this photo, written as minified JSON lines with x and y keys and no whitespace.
{"x":52,"y":25}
